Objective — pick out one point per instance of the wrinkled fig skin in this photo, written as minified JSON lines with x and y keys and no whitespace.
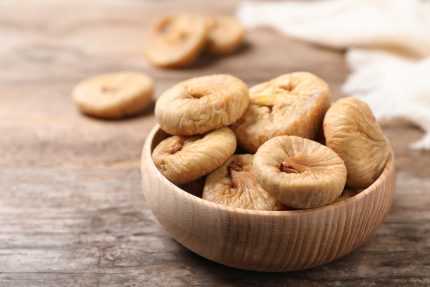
{"x":300,"y":173}
{"x":184,"y":159}
{"x":352,"y":132}
{"x":176,"y":40}
{"x":292,"y":104}
{"x":201,"y":104}
{"x":225,"y":35}
{"x":235,"y":185}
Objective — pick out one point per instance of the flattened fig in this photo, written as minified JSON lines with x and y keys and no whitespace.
{"x":176,"y":40}
{"x":201,"y":104}
{"x":300,"y":173}
{"x":184,"y":159}
{"x":292,"y":104}
{"x":234,"y":185}
{"x":350,"y":129}
{"x":114,"y":95}
{"x":225,"y":35}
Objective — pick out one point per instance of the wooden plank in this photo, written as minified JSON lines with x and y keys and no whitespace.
{"x":71,"y":210}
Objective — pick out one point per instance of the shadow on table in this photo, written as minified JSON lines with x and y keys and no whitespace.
{"x":148,"y":111}
{"x":206,"y":60}
{"x":220,"y":275}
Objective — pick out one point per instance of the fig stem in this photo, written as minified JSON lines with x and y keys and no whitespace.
{"x":291,"y":165}
{"x":237,"y":174}
{"x":234,"y":165}
{"x":177,"y":147}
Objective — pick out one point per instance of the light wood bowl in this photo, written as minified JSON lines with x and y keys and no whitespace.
{"x":265,"y":240}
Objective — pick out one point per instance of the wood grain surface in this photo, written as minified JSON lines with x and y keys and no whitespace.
{"x":71,"y":208}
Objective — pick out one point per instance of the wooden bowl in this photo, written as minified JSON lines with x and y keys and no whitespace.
{"x":265,"y":240}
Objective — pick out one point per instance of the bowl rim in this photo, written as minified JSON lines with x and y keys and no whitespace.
{"x":147,"y":153}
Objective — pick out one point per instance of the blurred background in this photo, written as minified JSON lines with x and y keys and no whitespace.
{"x":71,"y":209}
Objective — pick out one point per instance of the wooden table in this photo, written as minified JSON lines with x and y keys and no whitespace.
{"x":71,"y":208}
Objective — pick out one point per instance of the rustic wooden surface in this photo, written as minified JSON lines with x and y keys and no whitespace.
{"x":71,"y":208}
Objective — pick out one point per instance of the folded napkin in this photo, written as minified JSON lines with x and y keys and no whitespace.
{"x":388,"y":43}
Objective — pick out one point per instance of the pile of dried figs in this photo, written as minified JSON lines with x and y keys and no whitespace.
{"x":176,"y":41}
{"x":295,"y":150}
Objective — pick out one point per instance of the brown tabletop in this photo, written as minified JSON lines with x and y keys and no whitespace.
{"x":71,"y":208}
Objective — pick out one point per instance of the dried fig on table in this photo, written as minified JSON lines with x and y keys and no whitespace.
{"x":225,"y":35}
{"x":201,"y":104}
{"x":300,"y":173}
{"x":350,"y":129}
{"x":292,"y":104}
{"x":176,"y":40}
{"x":114,"y":95}
{"x":184,"y":159}
{"x":234,"y":185}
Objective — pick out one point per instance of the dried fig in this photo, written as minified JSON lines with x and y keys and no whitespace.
{"x":176,"y":40}
{"x":350,"y":129}
{"x":235,"y":185}
{"x":225,"y":35}
{"x":184,"y":159}
{"x":292,"y":104}
{"x":300,"y":173}
{"x":201,"y":104}
{"x":114,"y":95}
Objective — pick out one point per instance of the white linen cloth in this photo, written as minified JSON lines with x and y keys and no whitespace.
{"x":387,"y":42}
